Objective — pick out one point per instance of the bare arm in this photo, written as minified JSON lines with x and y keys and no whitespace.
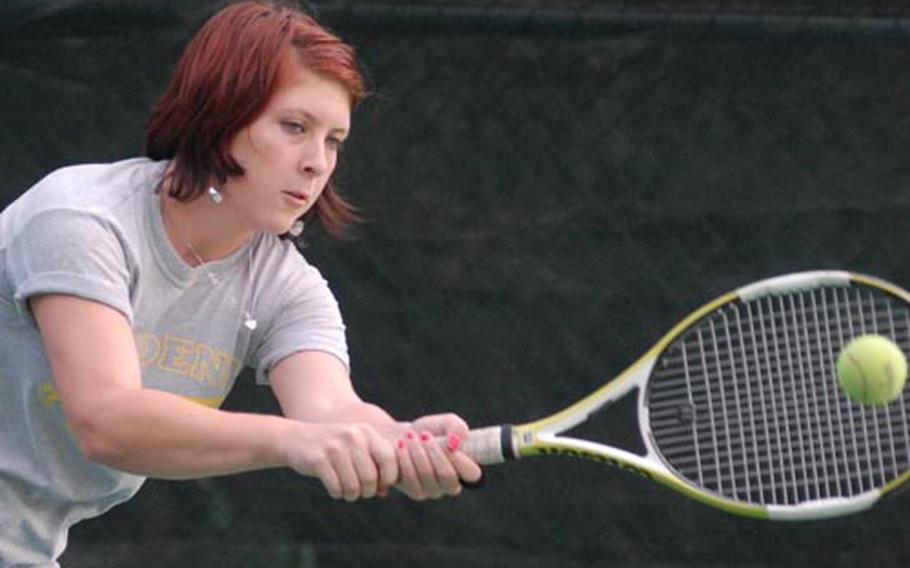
{"x":118,"y":423}
{"x":313,"y":386}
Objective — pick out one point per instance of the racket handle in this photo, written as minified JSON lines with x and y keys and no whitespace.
{"x":490,"y":445}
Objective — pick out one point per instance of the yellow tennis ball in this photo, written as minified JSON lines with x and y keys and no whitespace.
{"x":872,"y":369}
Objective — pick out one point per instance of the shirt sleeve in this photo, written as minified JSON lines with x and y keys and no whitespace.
{"x":304,"y":317}
{"x":66,"y":251}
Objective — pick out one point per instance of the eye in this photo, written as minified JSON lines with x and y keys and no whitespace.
{"x":336,"y":143}
{"x":292,"y":127}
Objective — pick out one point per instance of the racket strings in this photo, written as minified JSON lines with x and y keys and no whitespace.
{"x":746,"y":402}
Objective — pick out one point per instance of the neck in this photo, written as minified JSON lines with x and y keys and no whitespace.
{"x":201,"y":231}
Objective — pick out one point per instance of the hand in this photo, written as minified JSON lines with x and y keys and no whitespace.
{"x":352,"y":460}
{"x":429,"y":470}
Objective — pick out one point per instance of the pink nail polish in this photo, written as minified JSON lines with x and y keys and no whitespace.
{"x":425,"y":436}
{"x":454,"y":442}
{"x":411,"y":435}
{"x":400,"y":444}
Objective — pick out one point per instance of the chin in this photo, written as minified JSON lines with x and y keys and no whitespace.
{"x":283,"y":228}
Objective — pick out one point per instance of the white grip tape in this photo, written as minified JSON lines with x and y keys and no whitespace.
{"x":484,"y":445}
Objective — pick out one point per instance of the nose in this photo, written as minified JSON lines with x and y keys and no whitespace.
{"x":314,"y":159}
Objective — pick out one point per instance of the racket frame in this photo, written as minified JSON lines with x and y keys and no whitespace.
{"x":497,"y":444}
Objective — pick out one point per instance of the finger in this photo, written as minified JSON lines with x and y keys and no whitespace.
{"x":330,"y":480}
{"x":385,"y":461}
{"x":477,"y":484}
{"x":409,"y":484}
{"x":442,"y":425}
{"x":467,"y":469}
{"x":446,"y":475}
{"x":388,"y":474}
{"x":367,"y":474}
{"x":426,"y":471}
{"x":342,"y":463}
{"x":456,"y":425}
{"x":350,"y":484}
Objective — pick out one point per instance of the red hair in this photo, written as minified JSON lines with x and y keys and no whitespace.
{"x":224,"y":80}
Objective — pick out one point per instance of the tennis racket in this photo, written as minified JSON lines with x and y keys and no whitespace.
{"x":739,"y":405}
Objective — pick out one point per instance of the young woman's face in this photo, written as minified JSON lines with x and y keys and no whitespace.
{"x":290,"y":151}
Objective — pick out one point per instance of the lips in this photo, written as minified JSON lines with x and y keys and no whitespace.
{"x":297,"y":196}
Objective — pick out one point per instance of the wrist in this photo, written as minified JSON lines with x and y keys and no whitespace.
{"x":286,"y":437}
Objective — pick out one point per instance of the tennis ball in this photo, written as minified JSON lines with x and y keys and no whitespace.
{"x":872,"y":369}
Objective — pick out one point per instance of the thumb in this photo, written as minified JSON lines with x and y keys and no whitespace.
{"x":442,"y":425}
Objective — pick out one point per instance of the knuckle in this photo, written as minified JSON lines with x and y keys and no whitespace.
{"x":363,"y":431}
{"x":333,"y":450}
{"x":386,"y":452}
{"x":352,"y":434}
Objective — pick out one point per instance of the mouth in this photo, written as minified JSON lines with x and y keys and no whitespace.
{"x":298,"y":197}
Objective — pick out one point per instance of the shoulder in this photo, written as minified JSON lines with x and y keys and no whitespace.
{"x":94,"y":186}
{"x":283,"y":278}
{"x":96,"y":191}
{"x":280,"y":259}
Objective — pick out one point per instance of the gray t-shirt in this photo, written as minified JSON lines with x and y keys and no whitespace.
{"x":95,"y":231}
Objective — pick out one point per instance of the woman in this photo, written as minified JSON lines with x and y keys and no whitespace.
{"x":131,"y":295}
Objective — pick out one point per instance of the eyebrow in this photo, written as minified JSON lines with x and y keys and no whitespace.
{"x":312,"y":118}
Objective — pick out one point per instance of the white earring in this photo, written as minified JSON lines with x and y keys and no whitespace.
{"x":215,"y":196}
{"x":296,"y":229}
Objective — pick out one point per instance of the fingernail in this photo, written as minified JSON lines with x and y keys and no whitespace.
{"x":400,"y":444}
{"x":411,"y":435}
{"x":425,"y":436}
{"x":454,"y":442}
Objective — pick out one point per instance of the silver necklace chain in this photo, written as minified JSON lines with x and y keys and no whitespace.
{"x":202,"y":264}
{"x":248,"y":321}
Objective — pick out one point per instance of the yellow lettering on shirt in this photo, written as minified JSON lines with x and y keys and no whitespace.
{"x":177,"y":356}
{"x":198,"y":362}
{"x":48,"y":395}
{"x":149,"y":347}
{"x":211,"y":366}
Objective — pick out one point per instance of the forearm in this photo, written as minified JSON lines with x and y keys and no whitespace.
{"x":314,"y":387}
{"x":355,"y":411}
{"x":157,"y":434}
